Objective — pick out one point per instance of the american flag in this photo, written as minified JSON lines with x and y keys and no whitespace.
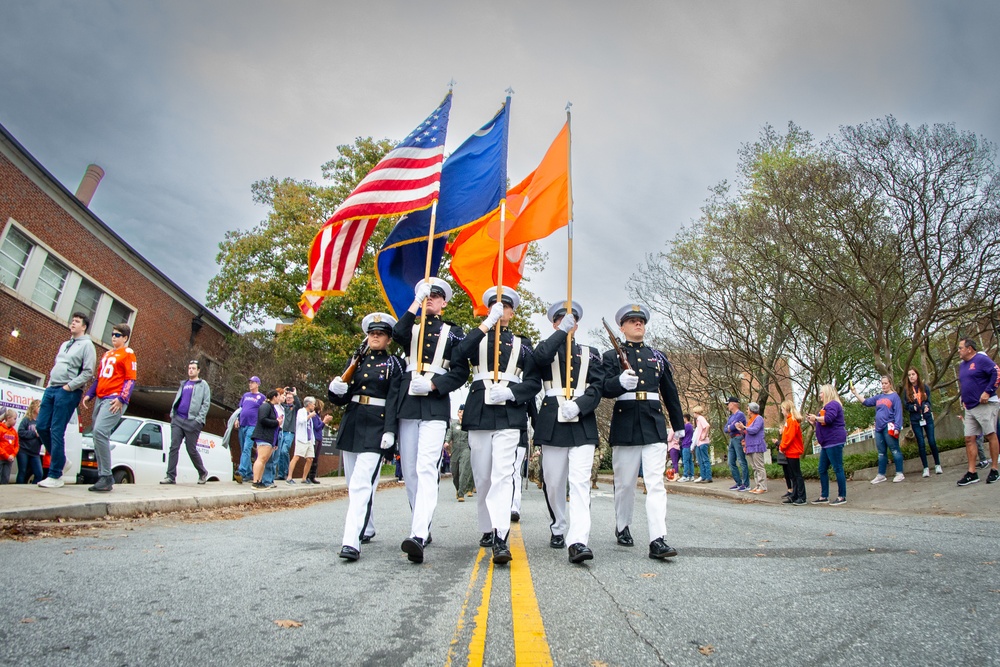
{"x":407,"y":179}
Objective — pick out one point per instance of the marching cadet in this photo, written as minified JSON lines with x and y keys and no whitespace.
{"x":425,"y":407}
{"x":638,"y":378}
{"x":566,"y":428}
{"x":496,"y":414}
{"x":367,"y":429}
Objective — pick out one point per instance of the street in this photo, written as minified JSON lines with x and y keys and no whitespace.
{"x":753,"y":584}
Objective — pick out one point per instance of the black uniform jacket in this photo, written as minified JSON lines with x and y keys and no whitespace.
{"x":436,"y":406}
{"x":513,"y":414}
{"x":641,"y":422}
{"x":548,"y":429}
{"x":378,"y":375}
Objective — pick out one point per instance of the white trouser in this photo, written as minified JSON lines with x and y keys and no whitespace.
{"x":626,"y":461}
{"x":515,"y":505}
{"x":420,"y":446}
{"x":572,"y":465}
{"x":362,"y":470}
{"x":493,"y":454}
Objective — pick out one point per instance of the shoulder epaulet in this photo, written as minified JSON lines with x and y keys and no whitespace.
{"x":455,"y":332}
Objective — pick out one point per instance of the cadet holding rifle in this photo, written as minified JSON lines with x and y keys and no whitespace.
{"x":638,"y":378}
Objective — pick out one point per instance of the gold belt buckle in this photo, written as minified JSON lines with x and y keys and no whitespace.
{"x":364,"y":400}
{"x":640,"y":396}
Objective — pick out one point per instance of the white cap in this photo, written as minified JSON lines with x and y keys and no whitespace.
{"x":558,"y":309}
{"x":632,"y":310}
{"x":509,"y":297}
{"x":378,"y":322}
{"x":438,"y":286}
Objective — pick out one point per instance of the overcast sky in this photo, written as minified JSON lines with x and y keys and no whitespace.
{"x":185,"y":104}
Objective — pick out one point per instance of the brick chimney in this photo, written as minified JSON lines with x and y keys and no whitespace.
{"x":88,"y":184}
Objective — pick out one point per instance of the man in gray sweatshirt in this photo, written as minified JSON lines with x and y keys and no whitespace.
{"x":73,"y":369}
{"x":187,"y":417}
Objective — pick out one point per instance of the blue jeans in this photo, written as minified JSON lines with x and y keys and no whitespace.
{"x":686,"y":463}
{"x":919,"y":431}
{"x":284,"y":450}
{"x":28,"y":465}
{"x":832,"y":456}
{"x":246,"y":452}
{"x":53,"y":416}
{"x":268,"y":477}
{"x":741,"y":472}
{"x":882,"y":438}
{"x":704,"y":464}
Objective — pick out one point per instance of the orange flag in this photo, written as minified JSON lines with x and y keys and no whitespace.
{"x":536,"y":207}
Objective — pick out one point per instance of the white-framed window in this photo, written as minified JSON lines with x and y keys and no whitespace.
{"x":39,"y":276}
{"x":50,"y":284}
{"x":14,"y":254}
{"x":9,"y":369}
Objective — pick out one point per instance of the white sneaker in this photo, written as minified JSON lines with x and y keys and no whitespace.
{"x":697,"y":480}
{"x":927,"y":472}
{"x":878,"y":479}
{"x":51,"y":483}
{"x":899,"y":477}
{"x":937,"y":470}
{"x":681,"y":479}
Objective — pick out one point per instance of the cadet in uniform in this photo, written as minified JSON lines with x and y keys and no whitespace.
{"x":425,"y":407}
{"x":638,"y":430}
{"x":496,"y":414}
{"x":367,"y":428}
{"x":567,"y":429}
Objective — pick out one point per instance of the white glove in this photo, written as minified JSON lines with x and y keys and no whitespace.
{"x":569,"y":409}
{"x":567,"y":323}
{"x":338,"y":387}
{"x":679,"y":435}
{"x":629,"y":380}
{"x":496,"y":312}
{"x":420,"y":385}
{"x":422,"y":291}
{"x":388,"y":440}
{"x":500,"y":394}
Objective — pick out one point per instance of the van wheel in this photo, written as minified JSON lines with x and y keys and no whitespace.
{"x":123,"y":477}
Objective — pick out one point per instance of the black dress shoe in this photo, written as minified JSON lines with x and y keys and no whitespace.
{"x":486,"y":540}
{"x":414,"y":549}
{"x":501,"y":554}
{"x":515,"y":517}
{"x":579,"y":553}
{"x":625,"y":537}
{"x":557,"y":542}
{"x":349,"y":553}
{"x":659,"y":549}
{"x":367,"y":538}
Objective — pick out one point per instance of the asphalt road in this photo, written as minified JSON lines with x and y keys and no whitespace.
{"x":753,"y":584}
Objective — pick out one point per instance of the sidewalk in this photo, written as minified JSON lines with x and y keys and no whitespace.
{"x":73,"y":501}
{"x":934,"y":495}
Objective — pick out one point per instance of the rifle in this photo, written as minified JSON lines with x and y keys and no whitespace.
{"x":355,"y":360}
{"x":622,"y":357}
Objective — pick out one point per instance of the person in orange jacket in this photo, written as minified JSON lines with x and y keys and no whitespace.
{"x":9,"y":444}
{"x":791,"y":446}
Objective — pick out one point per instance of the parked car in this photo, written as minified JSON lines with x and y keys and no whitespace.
{"x":17,"y":395}
{"x":139,"y":449}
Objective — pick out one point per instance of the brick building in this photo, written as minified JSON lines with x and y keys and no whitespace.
{"x":57,"y":257}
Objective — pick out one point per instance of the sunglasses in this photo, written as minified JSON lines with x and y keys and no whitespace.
{"x":117,"y":335}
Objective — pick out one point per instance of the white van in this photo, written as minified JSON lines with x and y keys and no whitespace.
{"x":139,"y":449}
{"x":18,"y":395}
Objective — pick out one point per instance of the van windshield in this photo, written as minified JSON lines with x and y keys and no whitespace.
{"x":125,"y":430}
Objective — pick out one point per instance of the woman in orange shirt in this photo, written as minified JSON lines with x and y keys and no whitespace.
{"x":791,"y":446}
{"x":8,"y":444}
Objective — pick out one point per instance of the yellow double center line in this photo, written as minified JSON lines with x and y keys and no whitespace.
{"x":531,"y":647}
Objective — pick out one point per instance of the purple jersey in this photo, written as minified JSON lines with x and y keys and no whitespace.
{"x":249,"y":405}
{"x":975,"y":376}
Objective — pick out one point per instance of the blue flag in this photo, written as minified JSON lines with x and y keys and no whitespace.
{"x":473,"y":181}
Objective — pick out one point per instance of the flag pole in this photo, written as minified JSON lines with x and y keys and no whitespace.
{"x":569,"y":264}
{"x":427,"y":278}
{"x":500,"y":253}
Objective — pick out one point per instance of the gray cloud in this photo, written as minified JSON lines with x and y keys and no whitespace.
{"x":185,"y":104}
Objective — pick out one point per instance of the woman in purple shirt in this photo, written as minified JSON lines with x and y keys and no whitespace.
{"x":888,"y":421}
{"x":832,"y":436}
{"x":754,"y":446}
